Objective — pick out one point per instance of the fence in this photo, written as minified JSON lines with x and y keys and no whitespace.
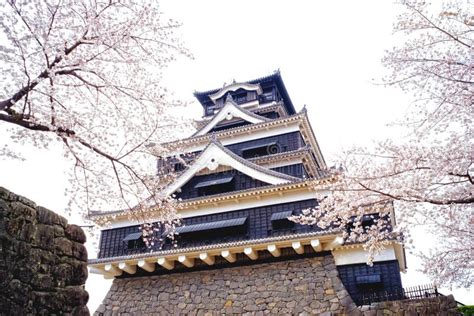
{"x":414,"y":292}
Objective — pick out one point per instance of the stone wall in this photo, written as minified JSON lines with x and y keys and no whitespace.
{"x":43,"y":262}
{"x":308,"y":286}
{"x":441,"y":305}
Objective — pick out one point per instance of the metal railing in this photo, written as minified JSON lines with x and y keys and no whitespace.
{"x":410,"y":293}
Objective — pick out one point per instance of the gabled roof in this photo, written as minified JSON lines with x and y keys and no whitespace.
{"x":214,"y":155}
{"x":228,"y":112}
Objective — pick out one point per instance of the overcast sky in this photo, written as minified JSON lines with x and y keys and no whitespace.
{"x":329,"y":54}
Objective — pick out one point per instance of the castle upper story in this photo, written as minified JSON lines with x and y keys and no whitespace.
{"x":259,"y":95}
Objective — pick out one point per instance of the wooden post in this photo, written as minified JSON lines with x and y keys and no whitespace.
{"x":147,"y":266}
{"x":165,"y":263}
{"x":207,"y":258}
{"x":129,"y":268}
{"x":274,"y":250}
{"x":298,"y":247}
{"x":186,"y":261}
{"x":228,"y":256}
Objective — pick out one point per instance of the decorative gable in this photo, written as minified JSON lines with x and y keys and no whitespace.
{"x":234,"y":87}
{"x":215,"y":155}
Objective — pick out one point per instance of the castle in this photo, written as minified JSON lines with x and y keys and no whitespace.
{"x":253,"y":162}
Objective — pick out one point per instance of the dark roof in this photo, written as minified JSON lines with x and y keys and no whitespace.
{"x":211,"y":225}
{"x":214,"y":182}
{"x":281,"y":215}
{"x":276,"y":77}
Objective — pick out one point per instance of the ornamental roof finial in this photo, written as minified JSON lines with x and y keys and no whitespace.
{"x":303,"y":110}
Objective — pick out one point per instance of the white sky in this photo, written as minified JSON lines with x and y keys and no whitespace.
{"x":327,"y":51}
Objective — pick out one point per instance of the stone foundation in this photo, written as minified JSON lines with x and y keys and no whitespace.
{"x":43,"y":262}
{"x":441,"y":305}
{"x":308,"y":286}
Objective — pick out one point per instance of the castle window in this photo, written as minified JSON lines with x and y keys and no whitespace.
{"x":369,"y":282}
{"x":134,"y":241}
{"x":178,"y":166}
{"x":261,"y":150}
{"x":270,"y":115}
{"x":368,"y":279}
{"x":240,"y":97}
{"x":366,"y":222}
{"x":251,"y":96}
{"x":215,"y":186}
{"x":212,"y":109}
{"x":268,"y":95}
{"x":280,"y":220}
{"x":210,"y":226}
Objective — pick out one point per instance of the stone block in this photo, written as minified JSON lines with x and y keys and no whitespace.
{"x":58,"y":231}
{"x":63,"y":246}
{"x":75,"y":295}
{"x":79,"y":251}
{"x":42,"y":282}
{"x":74,"y":232}
{"x":7,"y":195}
{"x":48,"y":217}
{"x":44,"y":237}
{"x":21,"y":210}
{"x":14,"y":226}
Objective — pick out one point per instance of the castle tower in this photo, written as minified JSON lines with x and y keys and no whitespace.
{"x":253,"y":162}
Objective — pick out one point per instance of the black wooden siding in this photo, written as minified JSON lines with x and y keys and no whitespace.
{"x":287,"y":142}
{"x":258,"y":226}
{"x":388,"y":270}
{"x":296,"y":170}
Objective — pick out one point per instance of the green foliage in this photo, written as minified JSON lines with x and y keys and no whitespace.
{"x":467,"y":310}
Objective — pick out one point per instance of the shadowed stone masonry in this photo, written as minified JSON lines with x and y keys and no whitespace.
{"x":442,"y":305}
{"x":308,"y":286}
{"x":43,"y":262}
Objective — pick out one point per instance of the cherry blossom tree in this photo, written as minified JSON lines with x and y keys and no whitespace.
{"x":88,"y":74}
{"x":428,"y":174}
